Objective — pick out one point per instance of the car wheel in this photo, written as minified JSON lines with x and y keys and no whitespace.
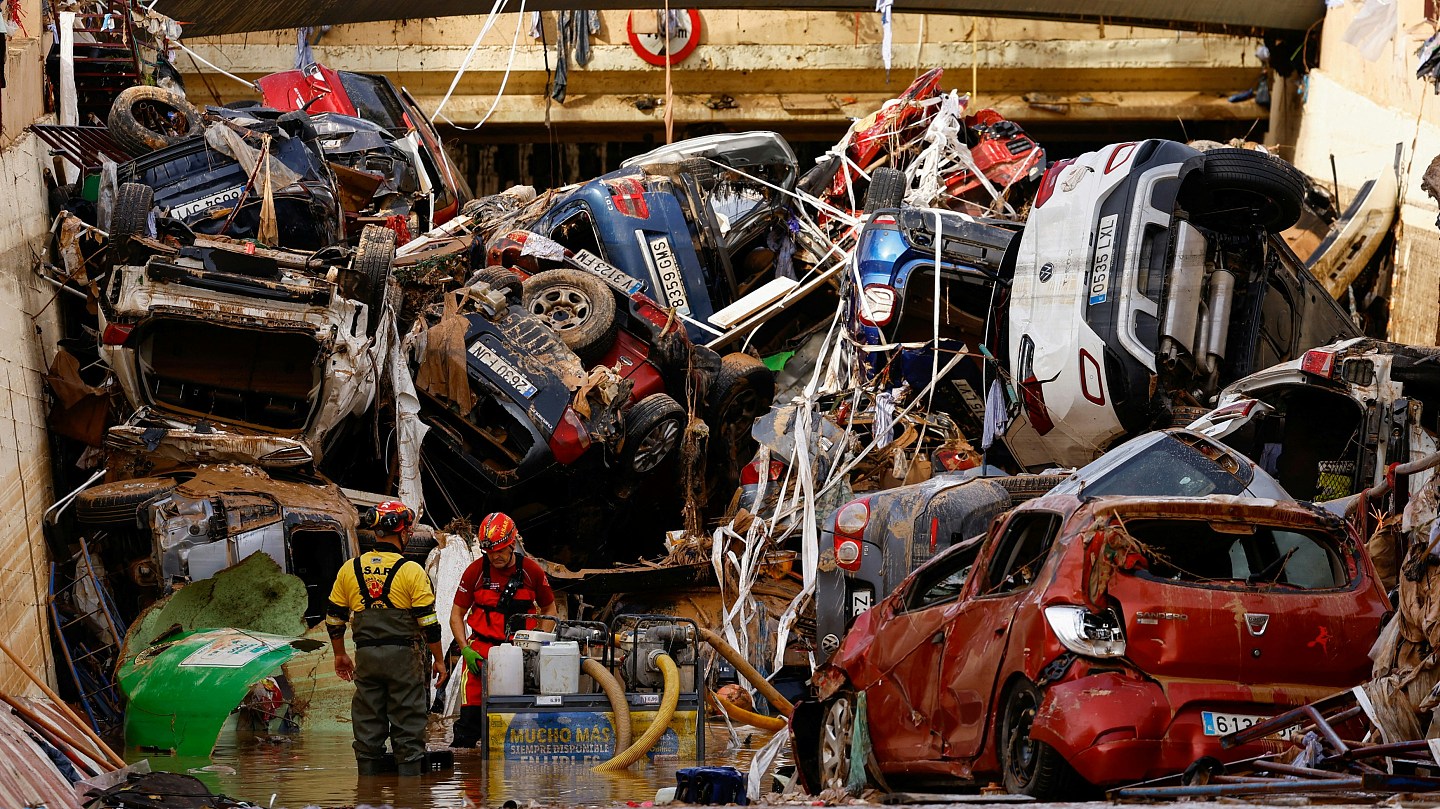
{"x":1031,"y":767}
{"x":578,"y":306}
{"x":501,"y":279}
{"x":118,"y":505}
{"x":836,"y":729}
{"x":652,"y":432}
{"x":144,"y":119}
{"x":130,"y":218}
{"x":372,"y":267}
{"x":743,"y":391}
{"x":1239,"y":188}
{"x":887,"y":189}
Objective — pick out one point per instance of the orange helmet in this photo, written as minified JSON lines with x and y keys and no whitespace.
{"x":391,"y":517}
{"x":497,"y":532}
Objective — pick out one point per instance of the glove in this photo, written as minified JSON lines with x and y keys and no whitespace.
{"x":472,"y":659}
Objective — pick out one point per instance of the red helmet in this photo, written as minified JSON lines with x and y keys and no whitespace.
{"x":391,"y":517}
{"x":497,"y":532}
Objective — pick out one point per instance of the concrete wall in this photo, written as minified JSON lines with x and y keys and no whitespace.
{"x":1358,"y":110}
{"x":28,"y":329}
{"x":781,"y":67}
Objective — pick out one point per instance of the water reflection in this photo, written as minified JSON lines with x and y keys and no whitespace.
{"x":317,"y":768}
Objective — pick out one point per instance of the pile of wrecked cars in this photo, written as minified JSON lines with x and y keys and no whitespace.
{"x":1043,"y":436}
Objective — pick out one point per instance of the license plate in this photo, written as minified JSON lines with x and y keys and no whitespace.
{"x":508,"y":373}
{"x":859,"y":602}
{"x":185,"y":210}
{"x":1223,"y":724}
{"x":667,"y":272}
{"x":586,"y":260}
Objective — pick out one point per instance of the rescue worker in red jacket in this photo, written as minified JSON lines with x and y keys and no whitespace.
{"x":393,"y":609}
{"x":502,"y":583}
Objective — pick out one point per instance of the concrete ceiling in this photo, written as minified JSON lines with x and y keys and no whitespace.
{"x":208,"y":17}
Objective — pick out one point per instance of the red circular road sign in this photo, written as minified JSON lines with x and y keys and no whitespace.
{"x":655,"y":49}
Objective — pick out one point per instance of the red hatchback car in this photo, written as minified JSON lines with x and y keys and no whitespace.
{"x":1097,"y":642}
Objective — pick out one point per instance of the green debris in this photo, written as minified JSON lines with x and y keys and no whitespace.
{"x":254,"y":595}
{"x":776,"y":362}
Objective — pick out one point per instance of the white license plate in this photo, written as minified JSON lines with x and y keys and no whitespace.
{"x":507,"y":372}
{"x":586,"y":260}
{"x":667,"y":271}
{"x":1223,"y":724}
{"x":859,"y":602}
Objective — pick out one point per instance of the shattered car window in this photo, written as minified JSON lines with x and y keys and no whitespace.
{"x":1021,"y":551}
{"x":1194,"y":551}
{"x":374,"y":101}
{"x":1169,"y":469}
{"x":943,"y":581}
{"x":577,"y":232}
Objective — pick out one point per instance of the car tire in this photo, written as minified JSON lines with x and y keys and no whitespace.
{"x":1028,"y":487}
{"x":1240,"y":188}
{"x":503,"y":280}
{"x":144,"y":119}
{"x":372,"y":267}
{"x":837,"y":726}
{"x":702,"y":170}
{"x":120,"y":505}
{"x":577,"y":306}
{"x":129,"y":219}
{"x":1027,"y":766}
{"x":887,"y":189}
{"x":418,"y":546}
{"x":741,"y":393}
{"x":242,"y":104}
{"x":653,"y":427}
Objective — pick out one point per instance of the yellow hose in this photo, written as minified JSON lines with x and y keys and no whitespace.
{"x":745,"y":717}
{"x":748,"y":671}
{"x":618,"y":704}
{"x":657,"y":728}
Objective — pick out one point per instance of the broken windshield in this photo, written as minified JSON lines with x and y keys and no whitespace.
{"x":1206,"y":553}
{"x":1169,"y":468}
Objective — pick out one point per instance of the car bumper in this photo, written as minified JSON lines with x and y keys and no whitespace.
{"x":1115,"y":729}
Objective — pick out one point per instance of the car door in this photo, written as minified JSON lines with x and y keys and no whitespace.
{"x":907,"y":654}
{"x":977,"y":628}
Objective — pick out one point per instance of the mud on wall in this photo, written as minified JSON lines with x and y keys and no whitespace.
{"x":28,"y":327}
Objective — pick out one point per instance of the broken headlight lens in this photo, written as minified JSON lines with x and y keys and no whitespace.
{"x":1087,"y":633}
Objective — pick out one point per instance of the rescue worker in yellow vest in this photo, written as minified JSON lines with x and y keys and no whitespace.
{"x":393,"y":609}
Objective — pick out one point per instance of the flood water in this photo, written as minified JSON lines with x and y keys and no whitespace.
{"x":317,"y":768}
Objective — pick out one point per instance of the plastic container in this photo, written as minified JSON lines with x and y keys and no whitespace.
{"x":506,"y":664}
{"x":560,"y":668}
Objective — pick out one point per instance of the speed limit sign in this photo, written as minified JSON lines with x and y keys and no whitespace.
{"x":648,"y":37}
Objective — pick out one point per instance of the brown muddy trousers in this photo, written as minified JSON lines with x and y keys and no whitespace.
{"x":391,"y":675}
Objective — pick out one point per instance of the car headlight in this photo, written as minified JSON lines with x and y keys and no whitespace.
{"x":1087,"y":633}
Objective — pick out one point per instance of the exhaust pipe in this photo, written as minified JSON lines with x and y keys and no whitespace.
{"x":1217,"y":318}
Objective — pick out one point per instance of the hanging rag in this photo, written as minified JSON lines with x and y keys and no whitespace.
{"x":781,"y":239}
{"x":303,"y":54}
{"x":587,"y":24}
{"x":536,"y":21}
{"x":672,"y":25}
{"x":884,"y":428}
{"x":1374,"y":27}
{"x":997,"y":415}
{"x":564,"y":41}
{"x":884,"y":7}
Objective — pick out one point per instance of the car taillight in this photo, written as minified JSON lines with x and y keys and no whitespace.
{"x":883,"y":219}
{"x":750,"y":475}
{"x":850,"y":522}
{"x":1032,"y":391}
{"x":934,"y":533}
{"x":1047,"y":183}
{"x":1318,"y":362}
{"x":115,"y":334}
{"x":1087,"y":633}
{"x":1237,"y":410}
{"x":877,"y":305}
{"x":570,"y":439}
{"x":628,"y":194}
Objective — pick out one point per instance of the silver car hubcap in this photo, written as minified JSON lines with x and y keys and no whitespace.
{"x":565,"y":307}
{"x":835,"y":743}
{"x":656,"y":445}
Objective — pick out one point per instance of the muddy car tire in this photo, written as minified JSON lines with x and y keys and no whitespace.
{"x":1239,"y":188}
{"x":887,"y":189}
{"x":130,"y":218}
{"x":832,"y":754}
{"x":117,"y":505}
{"x":577,"y":306}
{"x":503,"y":280}
{"x":1028,"y":487}
{"x":700,"y":169}
{"x":1027,"y":766}
{"x":653,"y":428}
{"x":373,"y":260}
{"x":741,"y":393}
{"x":144,"y":119}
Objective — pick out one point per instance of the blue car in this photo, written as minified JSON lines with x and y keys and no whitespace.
{"x":891,"y":317}
{"x":697,"y":236}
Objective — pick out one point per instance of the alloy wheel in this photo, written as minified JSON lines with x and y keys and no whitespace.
{"x":835,"y":732}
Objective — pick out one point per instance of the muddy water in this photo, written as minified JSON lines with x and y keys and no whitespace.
{"x":318,"y":769}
